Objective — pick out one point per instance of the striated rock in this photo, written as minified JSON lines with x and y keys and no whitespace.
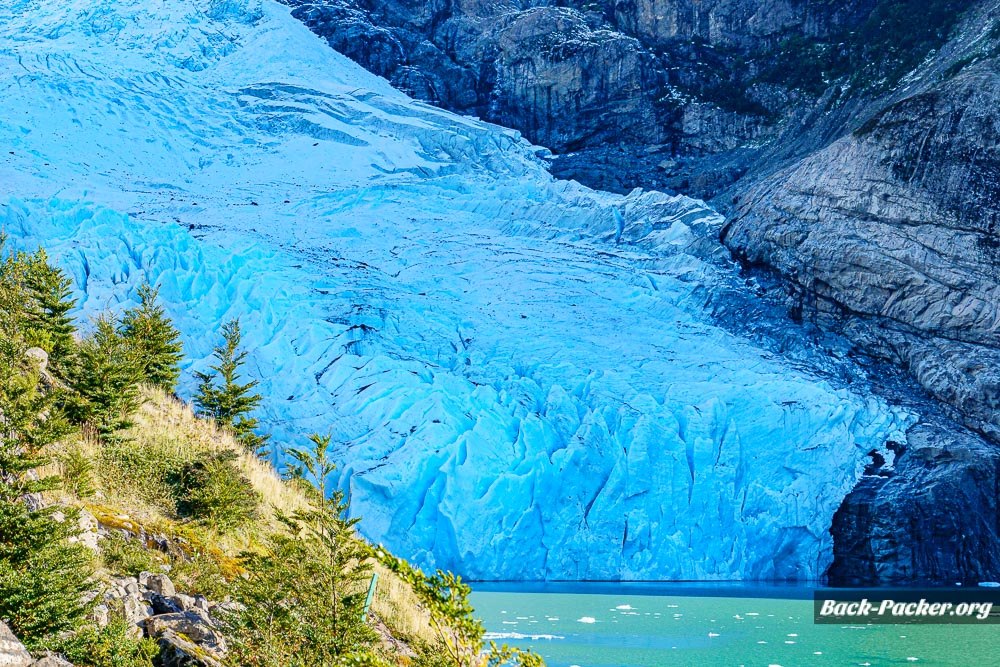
{"x":12,"y":651}
{"x":890,"y":237}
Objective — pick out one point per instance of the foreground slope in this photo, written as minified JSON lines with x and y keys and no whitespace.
{"x":521,"y":372}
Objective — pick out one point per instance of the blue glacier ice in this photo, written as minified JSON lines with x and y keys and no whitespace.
{"x":522,"y":375}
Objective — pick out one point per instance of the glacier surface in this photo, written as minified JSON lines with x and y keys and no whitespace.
{"x":522,"y":375}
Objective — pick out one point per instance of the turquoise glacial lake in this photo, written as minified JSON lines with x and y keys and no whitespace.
{"x":615,"y":625}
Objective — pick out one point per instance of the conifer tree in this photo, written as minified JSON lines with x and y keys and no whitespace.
{"x":222,"y":397}
{"x":302,"y":599}
{"x":154,"y":338}
{"x":42,"y":576}
{"x":106,"y":379}
{"x":50,"y":301}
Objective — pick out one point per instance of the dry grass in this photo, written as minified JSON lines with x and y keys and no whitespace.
{"x":397,"y":605}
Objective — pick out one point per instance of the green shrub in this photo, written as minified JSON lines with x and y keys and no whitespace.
{"x":149,"y":473}
{"x":215,"y":492}
{"x":200,"y":574}
{"x":110,"y":646}
{"x":127,"y":558}
{"x":460,"y":636}
{"x":77,"y":473}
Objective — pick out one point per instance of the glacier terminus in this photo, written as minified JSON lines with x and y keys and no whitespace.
{"x":524,"y":377}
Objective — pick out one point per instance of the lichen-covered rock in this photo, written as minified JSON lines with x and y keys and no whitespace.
{"x":12,"y":651}
{"x":89,"y":535}
{"x":191,"y":627}
{"x":177,"y":650}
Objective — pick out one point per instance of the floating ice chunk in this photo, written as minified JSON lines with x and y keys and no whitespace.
{"x":518,"y":635}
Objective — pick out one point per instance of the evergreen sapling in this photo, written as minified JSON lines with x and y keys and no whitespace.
{"x":222,"y":397}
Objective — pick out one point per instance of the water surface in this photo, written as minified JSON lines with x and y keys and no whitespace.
{"x":698,"y":625}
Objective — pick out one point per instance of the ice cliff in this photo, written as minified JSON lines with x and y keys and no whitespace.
{"x":521,"y":373}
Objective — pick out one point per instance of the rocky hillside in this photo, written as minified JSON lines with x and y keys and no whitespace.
{"x":135,"y":533}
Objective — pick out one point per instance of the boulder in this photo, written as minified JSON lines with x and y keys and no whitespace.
{"x":100,"y":615}
{"x":87,"y":523}
{"x":136,"y":612}
{"x":52,"y":661}
{"x":39,"y":356}
{"x":189,"y":627}
{"x":161,"y":584}
{"x":179,"y":651}
{"x":12,"y":651}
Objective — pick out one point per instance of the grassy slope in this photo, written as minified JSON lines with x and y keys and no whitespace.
{"x":129,"y":493}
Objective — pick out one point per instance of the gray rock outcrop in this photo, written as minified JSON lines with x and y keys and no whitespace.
{"x":12,"y":651}
{"x":187,"y":639}
{"x":890,"y":237}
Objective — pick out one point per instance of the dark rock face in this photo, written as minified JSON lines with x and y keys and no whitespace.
{"x":696,"y":94}
{"x":934,"y":520}
{"x":690,"y":90}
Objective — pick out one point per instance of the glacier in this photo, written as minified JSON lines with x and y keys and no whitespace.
{"x":523,"y":377}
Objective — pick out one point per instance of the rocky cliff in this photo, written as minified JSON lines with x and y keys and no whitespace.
{"x":888,"y":235}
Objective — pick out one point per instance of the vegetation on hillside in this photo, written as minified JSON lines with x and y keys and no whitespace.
{"x":88,"y":425}
{"x":871,"y":54}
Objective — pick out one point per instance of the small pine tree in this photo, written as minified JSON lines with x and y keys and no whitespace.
{"x":302,"y":599}
{"x":229,"y":403}
{"x":106,"y":379}
{"x":50,"y":301}
{"x":154,"y":338}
